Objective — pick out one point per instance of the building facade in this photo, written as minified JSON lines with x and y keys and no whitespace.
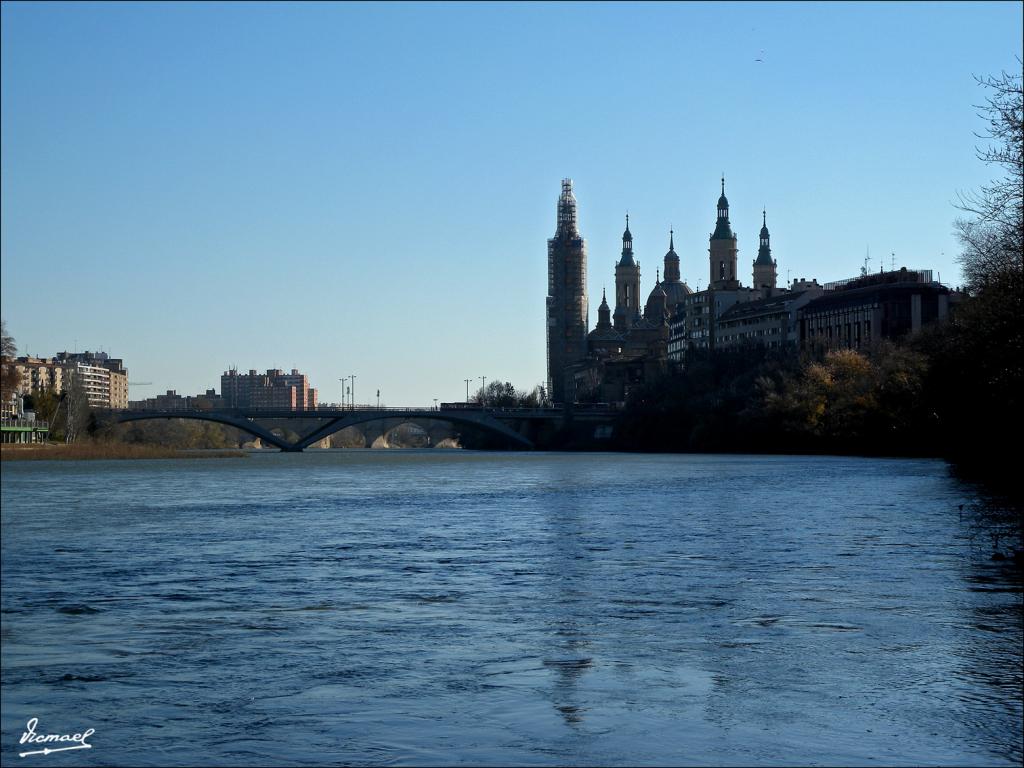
{"x":854,"y":313}
{"x":770,"y":322}
{"x":271,"y":390}
{"x":172,"y":401}
{"x":104,"y":379}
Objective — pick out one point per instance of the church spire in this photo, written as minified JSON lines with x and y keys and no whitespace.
{"x":627,"y":245}
{"x":723,"y":230}
{"x":627,"y":284}
{"x":604,"y":315}
{"x":722,"y":248}
{"x":764,"y":266}
{"x":671,"y":261}
{"x":764,"y":251}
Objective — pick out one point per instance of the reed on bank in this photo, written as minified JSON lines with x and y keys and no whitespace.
{"x":105,"y":451}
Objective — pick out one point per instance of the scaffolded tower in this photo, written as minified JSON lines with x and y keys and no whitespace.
{"x":567,"y":310}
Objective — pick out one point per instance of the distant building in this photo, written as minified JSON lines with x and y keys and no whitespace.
{"x":695,"y":324}
{"x":172,"y":401}
{"x":271,"y":390}
{"x":770,"y":322}
{"x":104,"y":379}
{"x":851,"y":314}
{"x":36,"y":374}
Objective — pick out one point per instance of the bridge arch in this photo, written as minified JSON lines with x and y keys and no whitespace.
{"x":476,"y":419}
{"x":232,"y":421}
{"x":337,"y":422}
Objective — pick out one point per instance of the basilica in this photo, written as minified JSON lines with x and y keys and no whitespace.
{"x":632,"y":343}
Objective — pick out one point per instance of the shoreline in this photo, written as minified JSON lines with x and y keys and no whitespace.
{"x":100,"y":452}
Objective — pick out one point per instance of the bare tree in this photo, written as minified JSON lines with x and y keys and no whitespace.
{"x":7,"y":346}
{"x":8,"y":375}
{"x":992,"y":233}
{"x":76,"y":406}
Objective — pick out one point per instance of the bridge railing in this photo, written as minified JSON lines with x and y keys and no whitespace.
{"x":320,"y":413}
{"x":24,"y":424}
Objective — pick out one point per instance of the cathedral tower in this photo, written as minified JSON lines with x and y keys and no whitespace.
{"x":722,"y":250}
{"x":764,"y":268}
{"x":567,"y":298}
{"x":627,"y":285}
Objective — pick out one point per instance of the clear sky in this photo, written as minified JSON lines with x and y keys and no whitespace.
{"x":368,"y":188}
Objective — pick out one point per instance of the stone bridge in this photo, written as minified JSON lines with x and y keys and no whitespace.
{"x":514,"y":427}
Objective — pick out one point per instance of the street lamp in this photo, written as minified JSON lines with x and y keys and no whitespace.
{"x":353,"y":377}
{"x":342,"y":380}
{"x":378,"y":399}
{"x":467,"y":391}
{"x":435,"y":403}
{"x":483,"y":389}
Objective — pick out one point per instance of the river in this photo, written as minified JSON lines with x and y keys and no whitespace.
{"x":453,"y":607}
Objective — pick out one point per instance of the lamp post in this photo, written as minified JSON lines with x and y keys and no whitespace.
{"x":435,"y":403}
{"x":342,"y":380}
{"x":467,"y":391}
{"x":353,"y":396}
{"x":483,"y":390}
{"x":378,"y":399}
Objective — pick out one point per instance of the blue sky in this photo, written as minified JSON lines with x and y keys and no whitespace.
{"x":368,"y":188}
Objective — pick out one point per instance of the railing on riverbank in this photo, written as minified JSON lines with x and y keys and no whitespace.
{"x":23,"y":431}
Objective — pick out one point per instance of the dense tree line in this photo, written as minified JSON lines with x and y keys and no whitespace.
{"x":754,"y":400}
{"x":503,"y":394}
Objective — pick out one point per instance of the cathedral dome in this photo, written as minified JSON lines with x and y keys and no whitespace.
{"x":657,"y":304}
{"x":674,"y":293}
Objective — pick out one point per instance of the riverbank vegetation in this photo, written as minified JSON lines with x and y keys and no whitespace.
{"x":89,"y":450}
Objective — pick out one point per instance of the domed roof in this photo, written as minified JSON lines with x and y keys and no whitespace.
{"x":674,"y":292}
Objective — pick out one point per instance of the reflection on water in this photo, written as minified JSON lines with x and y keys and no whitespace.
{"x":426,"y":608}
